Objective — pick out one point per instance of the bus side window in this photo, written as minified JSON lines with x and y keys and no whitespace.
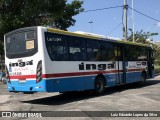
{"x":127,"y":54}
{"x":56,"y":47}
{"x":76,"y":49}
{"x":117,"y":52}
{"x":142,"y":54}
{"x":107,"y":52}
{"x":93,"y":50}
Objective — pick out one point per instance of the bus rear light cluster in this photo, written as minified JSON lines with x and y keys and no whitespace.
{"x":7,"y":74}
{"x":39,"y":72}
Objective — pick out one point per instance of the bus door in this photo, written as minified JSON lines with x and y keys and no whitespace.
{"x":119,"y":65}
{"x":150,"y":65}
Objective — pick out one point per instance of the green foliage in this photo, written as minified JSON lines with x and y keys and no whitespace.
{"x":140,"y":36}
{"x":16,"y":14}
{"x":156,"y":49}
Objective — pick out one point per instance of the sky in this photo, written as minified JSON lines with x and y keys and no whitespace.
{"x":108,"y":22}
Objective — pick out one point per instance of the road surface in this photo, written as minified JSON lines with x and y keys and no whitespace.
{"x":130,"y":97}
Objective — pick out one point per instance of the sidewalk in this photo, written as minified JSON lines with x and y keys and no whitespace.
{"x":3,"y":89}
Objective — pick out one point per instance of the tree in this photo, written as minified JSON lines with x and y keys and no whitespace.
{"x":140,"y":36}
{"x":16,"y":14}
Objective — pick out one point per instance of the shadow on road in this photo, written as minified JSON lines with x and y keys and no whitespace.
{"x":77,"y":96}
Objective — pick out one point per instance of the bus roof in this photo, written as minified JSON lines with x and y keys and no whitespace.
{"x":84,"y":35}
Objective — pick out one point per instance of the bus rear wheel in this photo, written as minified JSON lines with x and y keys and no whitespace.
{"x":99,"y":86}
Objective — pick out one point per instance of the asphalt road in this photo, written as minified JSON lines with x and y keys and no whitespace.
{"x":131,"y":97}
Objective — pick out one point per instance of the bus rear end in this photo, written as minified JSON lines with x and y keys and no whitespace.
{"x":23,"y":59}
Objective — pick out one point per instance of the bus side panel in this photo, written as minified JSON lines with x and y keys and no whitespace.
{"x":70,"y":84}
{"x":134,"y":70}
{"x":133,"y":77}
{"x":110,"y":79}
{"x":77,"y":83}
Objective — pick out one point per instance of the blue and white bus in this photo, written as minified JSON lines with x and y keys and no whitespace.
{"x":41,"y":59}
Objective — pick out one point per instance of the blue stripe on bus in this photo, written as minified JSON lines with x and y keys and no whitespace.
{"x":69,"y":84}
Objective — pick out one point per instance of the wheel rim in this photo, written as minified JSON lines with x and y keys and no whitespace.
{"x":99,"y":86}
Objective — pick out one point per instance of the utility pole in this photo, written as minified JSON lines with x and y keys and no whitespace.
{"x":133,"y":20}
{"x":125,"y":7}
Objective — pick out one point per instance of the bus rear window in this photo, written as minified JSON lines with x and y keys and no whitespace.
{"x":21,"y":43}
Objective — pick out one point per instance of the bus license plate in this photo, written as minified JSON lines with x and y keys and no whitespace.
{"x":22,"y":80}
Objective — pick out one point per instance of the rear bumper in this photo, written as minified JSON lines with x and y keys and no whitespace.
{"x":31,"y":86}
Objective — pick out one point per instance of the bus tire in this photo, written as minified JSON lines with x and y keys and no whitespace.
{"x":99,"y":85}
{"x":143,"y":78}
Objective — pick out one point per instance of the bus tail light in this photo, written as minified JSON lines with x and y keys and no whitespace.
{"x":7,"y":74}
{"x":39,"y":72}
